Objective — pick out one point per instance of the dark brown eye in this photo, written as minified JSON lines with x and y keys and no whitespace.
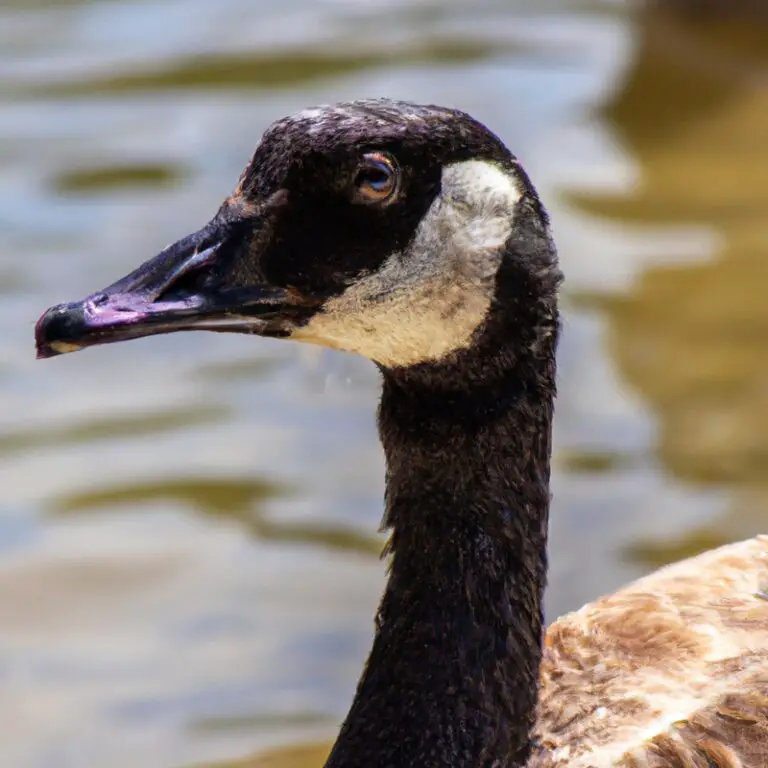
{"x":376,"y":179}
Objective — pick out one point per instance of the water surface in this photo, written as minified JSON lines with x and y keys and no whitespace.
{"x":188,"y":550}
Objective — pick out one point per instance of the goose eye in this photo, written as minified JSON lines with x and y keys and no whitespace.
{"x":376,"y":179}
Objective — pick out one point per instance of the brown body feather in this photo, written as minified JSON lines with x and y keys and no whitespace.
{"x":669,"y":671}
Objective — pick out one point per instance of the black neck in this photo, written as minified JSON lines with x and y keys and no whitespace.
{"x":453,"y":674}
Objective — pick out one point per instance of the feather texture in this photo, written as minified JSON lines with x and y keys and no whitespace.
{"x":671,"y":670}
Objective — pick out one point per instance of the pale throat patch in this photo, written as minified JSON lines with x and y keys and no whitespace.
{"x":427,"y":301}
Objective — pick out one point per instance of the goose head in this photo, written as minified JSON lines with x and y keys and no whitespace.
{"x":382,"y":228}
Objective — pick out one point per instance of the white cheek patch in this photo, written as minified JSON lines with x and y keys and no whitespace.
{"x":427,"y":301}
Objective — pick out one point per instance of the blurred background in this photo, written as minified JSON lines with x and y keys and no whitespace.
{"x":188,"y":550}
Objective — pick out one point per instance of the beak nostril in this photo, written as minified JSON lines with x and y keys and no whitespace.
{"x":188,"y":276}
{"x":99,"y":299}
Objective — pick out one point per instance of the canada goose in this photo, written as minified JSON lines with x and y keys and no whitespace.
{"x":411,"y":235}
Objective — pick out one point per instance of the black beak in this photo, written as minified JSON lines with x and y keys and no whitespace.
{"x":180,"y":289}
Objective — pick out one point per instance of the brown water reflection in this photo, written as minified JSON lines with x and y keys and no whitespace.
{"x":692,"y":337}
{"x":188,"y":567}
{"x":305,"y":756}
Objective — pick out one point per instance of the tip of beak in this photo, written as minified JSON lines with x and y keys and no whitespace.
{"x":56,"y":348}
{"x":56,"y":329}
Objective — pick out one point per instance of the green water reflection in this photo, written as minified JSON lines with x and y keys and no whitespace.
{"x":279,"y":70}
{"x":105,"y":178}
{"x":232,"y":499}
{"x":89,"y":430}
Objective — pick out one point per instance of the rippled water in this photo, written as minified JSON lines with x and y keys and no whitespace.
{"x":188,"y":548}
